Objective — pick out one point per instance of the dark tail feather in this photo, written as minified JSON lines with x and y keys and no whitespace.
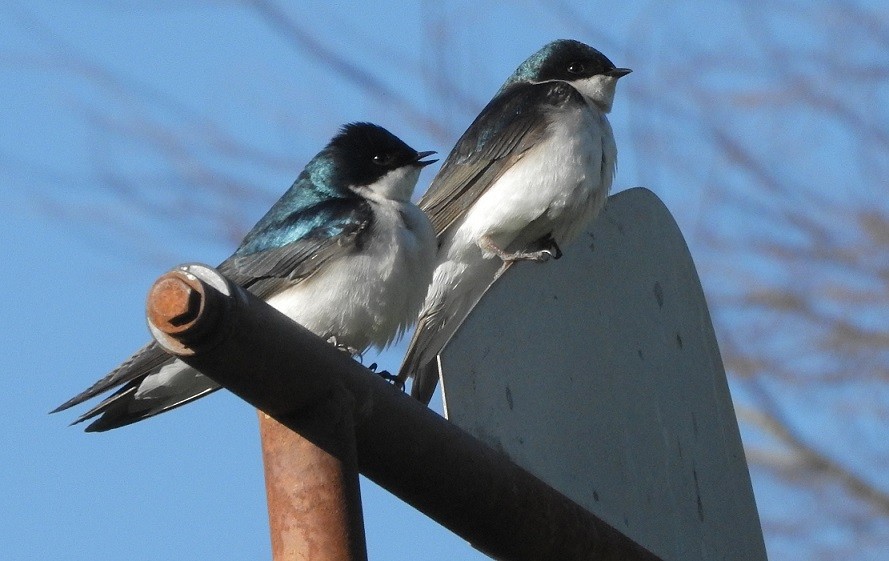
{"x":425,"y":381}
{"x":144,"y":361}
{"x":123,"y":409}
{"x":427,"y":326}
{"x":123,"y":396}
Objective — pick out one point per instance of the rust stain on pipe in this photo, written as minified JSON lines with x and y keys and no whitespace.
{"x":176,"y":302}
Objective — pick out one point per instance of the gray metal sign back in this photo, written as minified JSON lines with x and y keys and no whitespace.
{"x":600,"y":373}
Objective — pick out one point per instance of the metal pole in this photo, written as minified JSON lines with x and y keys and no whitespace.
{"x":314,"y":500}
{"x":467,"y":487}
{"x":311,"y":476}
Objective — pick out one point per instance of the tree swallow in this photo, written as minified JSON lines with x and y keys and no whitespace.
{"x":527,"y":176}
{"x":344,"y":253}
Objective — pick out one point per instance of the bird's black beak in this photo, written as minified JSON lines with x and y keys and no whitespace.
{"x":618,"y":72}
{"x":421,"y":155}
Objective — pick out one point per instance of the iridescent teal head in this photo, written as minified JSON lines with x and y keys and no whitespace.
{"x":363,"y":161}
{"x":588,"y":70}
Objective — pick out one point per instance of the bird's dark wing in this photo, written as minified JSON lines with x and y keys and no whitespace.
{"x":312,"y":236}
{"x":329,"y":230}
{"x":513,"y":122}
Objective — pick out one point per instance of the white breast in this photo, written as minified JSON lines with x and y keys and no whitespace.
{"x":369,"y":297}
{"x":557,"y":186}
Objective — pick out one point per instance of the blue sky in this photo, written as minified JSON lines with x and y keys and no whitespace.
{"x":133,"y":139}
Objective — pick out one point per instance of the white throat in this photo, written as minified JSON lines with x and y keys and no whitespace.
{"x":598,"y":90}
{"x":397,"y":185}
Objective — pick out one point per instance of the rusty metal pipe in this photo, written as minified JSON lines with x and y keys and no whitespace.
{"x":311,"y":473}
{"x":313,"y":495}
{"x":476,"y":492}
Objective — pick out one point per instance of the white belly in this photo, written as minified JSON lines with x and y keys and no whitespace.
{"x":557,"y":187}
{"x":369,"y":298}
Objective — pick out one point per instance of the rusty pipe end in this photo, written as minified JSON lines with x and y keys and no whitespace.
{"x":175,"y":302}
{"x":186,"y":308}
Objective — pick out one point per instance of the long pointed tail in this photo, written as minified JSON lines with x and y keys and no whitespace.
{"x":425,"y":380}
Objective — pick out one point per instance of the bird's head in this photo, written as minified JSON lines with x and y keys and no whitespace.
{"x":585,"y":68}
{"x":375,"y":163}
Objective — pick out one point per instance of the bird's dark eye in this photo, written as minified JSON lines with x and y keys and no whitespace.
{"x":576,"y":68}
{"x":383,"y":159}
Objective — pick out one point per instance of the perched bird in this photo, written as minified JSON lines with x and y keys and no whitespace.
{"x":344,"y":253}
{"x":526,"y":177}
